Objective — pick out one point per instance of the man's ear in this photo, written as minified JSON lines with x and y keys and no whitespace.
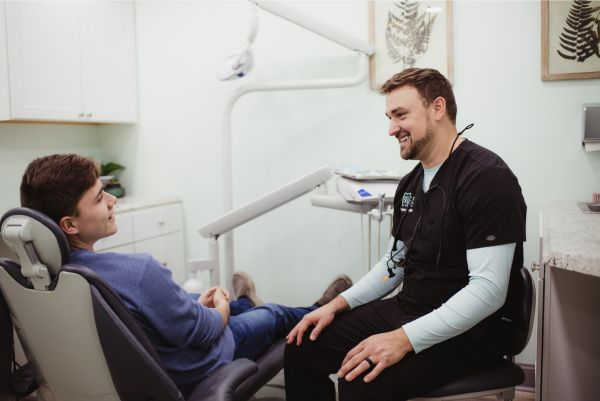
{"x":439,"y":108}
{"x":68,"y":225}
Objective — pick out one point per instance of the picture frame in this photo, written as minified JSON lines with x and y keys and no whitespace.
{"x":570,"y":39}
{"x":422,"y":39}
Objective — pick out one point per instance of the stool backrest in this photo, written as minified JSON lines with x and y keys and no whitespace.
{"x":519,"y":308}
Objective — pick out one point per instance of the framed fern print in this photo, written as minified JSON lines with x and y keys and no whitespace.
{"x":409,"y":33}
{"x":570,"y":39}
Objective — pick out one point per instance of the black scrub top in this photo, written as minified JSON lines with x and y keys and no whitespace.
{"x":473,"y":201}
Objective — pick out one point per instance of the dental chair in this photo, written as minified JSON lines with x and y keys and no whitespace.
{"x":501,"y":378}
{"x":80,"y":337}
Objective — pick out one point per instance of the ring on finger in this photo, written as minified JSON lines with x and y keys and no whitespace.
{"x":370,"y":362}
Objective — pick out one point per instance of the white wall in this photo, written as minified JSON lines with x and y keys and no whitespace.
{"x":292,"y":252}
{"x":21,"y":143}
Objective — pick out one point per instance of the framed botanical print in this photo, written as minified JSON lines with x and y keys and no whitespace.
{"x":570,"y":39}
{"x":410,"y":33}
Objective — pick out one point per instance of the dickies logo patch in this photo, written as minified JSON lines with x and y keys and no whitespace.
{"x":490,"y":238}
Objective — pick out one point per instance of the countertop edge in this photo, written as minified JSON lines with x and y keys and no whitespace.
{"x":579,"y":264}
{"x":128,"y":205}
{"x":571,"y":238}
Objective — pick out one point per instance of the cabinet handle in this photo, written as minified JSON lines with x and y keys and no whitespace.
{"x":165,"y":264}
{"x":81,"y":115}
{"x":161,"y":223}
{"x":89,"y":115}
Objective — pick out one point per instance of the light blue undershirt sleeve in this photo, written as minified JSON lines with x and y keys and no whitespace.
{"x":375,"y":285}
{"x":489,"y":273}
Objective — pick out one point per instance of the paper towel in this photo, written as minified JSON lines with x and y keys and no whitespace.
{"x":590,"y":147}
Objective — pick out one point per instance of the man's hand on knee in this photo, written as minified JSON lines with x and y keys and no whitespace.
{"x":320,"y":318}
{"x":376,"y":353}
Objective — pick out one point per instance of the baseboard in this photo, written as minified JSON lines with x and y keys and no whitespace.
{"x":529,"y":383}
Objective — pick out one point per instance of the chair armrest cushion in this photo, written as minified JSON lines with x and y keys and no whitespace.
{"x":221,"y":384}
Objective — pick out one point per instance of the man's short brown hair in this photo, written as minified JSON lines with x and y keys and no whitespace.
{"x":428,"y":82}
{"x":54,"y":184}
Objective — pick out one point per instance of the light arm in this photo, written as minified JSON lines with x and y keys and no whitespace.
{"x":242,"y":215}
{"x":316,"y":26}
{"x":266,"y":203}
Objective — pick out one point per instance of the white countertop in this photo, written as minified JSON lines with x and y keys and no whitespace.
{"x":571,"y":238}
{"x":128,"y":204}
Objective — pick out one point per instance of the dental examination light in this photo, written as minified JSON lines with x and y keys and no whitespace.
{"x":238,"y":66}
{"x":244,"y":214}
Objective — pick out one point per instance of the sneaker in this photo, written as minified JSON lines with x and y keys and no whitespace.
{"x":340,"y":284}
{"x":243,"y":286}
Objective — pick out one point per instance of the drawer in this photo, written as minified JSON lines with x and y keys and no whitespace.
{"x":123,"y":236}
{"x":157,"y":221}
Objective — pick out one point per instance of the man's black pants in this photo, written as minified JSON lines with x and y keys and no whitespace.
{"x":307,"y":367}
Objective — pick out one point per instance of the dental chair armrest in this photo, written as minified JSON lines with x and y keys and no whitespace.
{"x":221,"y":385}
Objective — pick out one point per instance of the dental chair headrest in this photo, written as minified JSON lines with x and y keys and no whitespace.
{"x":33,"y":235}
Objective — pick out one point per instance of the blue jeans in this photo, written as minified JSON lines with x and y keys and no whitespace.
{"x":240,"y":305}
{"x":255,"y":329}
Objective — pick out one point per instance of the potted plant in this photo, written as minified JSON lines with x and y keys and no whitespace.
{"x":110,"y":183}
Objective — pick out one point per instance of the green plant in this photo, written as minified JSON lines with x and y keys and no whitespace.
{"x":110,"y":168}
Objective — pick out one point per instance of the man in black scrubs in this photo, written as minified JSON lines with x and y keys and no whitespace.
{"x":458,"y":232}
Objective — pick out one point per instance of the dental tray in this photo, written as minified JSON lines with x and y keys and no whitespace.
{"x":365,"y":175}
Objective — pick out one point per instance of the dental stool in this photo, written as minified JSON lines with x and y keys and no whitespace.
{"x":501,"y":378}
{"x":83,"y":341}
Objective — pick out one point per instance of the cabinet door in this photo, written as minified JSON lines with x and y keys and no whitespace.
{"x":108,"y":61}
{"x":168,"y":250}
{"x":44,"y":62}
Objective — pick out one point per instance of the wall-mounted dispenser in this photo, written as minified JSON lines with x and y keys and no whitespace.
{"x":591,"y":127}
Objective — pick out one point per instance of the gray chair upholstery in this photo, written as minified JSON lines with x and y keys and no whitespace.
{"x":83,"y":340}
{"x":501,"y":378}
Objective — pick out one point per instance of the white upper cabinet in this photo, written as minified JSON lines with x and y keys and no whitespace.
{"x":70,"y":61}
{"x":43,"y":60}
{"x":108,"y":61}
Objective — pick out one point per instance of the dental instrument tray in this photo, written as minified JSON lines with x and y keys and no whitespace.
{"x":366,"y":191}
{"x":363,"y":175}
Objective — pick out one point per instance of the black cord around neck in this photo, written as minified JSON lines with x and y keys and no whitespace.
{"x":457,"y":135}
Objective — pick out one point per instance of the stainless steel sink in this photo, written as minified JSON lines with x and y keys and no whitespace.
{"x":589,"y":207}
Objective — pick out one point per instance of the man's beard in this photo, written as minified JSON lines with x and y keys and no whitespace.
{"x":417,"y":147}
